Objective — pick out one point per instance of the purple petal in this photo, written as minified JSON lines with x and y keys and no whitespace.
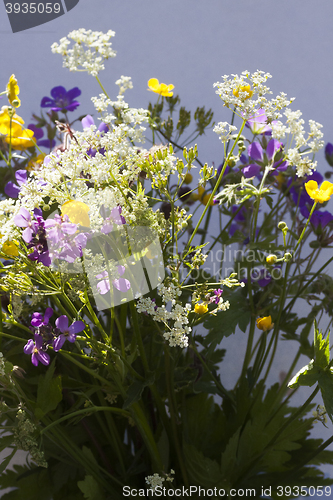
{"x":59,"y":342}
{"x":121,"y":270}
{"x":104,"y":274}
{"x":251,"y":170}
{"x":71,"y":337}
{"x":58,"y":92}
{"x":77,"y":327}
{"x":107,"y":228}
{"x":38,"y":340}
{"x":255,"y":151}
{"x":27,"y":234}
{"x":45,"y":259}
{"x":103,"y":287}
{"x":272,"y":147}
{"x":47,"y":102}
{"x":47,"y":315}
{"x":72,"y":106}
{"x":87,"y":121}
{"x":23,"y":218}
{"x":38,"y":132}
{"x":116,"y":216}
{"x":43,"y":357}
{"x":29,"y":347}
{"x":37,"y":320}
{"x":73,"y":93}
{"x":122,"y":284}
{"x":103,"y":128}
{"x":21,"y":177}
{"x":46,"y":143}
{"x":12,"y":190}
{"x":62,"y":323}
{"x":68,"y":228}
{"x":34,"y":359}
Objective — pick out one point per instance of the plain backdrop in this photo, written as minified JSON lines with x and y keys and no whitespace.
{"x":189,"y":43}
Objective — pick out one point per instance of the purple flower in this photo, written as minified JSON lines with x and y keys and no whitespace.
{"x":273,"y":147}
{"x":12,"y":190}
{"x":258,"y":123}
{"x":251,"y":170}
{"x":114,"y":217}
{"x":87,"y":121}
{"x":23,"y":219}
{"x":35,"y":348}
{"x":298,"y":192}
{"x":318,"y":219}
{"x":121,"y":284}
{"x":67,"y":332}
{"x":38,"y":134}
{"x":217,"y":297}
{"x":59,"y":227}
{"x":61,"y":99}
{"x":329,"y":153}
{"x":255,"y":151}
{"x":39,"y":320}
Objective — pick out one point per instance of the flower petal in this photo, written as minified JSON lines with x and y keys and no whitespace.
{"x":62,"y":323}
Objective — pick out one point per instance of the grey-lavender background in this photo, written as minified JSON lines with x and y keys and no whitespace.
{"x":189,"y":43}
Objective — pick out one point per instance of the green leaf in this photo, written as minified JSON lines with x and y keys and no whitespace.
{"x":91,"y":489}
{"x":307,"y":376}
{"x":226,"y":322}
{"x":135,"y":390}
{"x":326,"y":387}
{"x":322,"y":348}
{"x":202,"y":470}
{"x":6,"y":461}
{"x":49,"y":392}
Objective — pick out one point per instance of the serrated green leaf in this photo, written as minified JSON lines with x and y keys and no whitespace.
{"x":322,"y":348}
{"x":306,"y":376}
{"x":91,"y":489}
{"x":326,"y":387}
{"x":202,"y":470}
{"x":49,"y":392}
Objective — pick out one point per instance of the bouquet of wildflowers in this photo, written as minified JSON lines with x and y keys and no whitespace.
{"x":113,"y":325}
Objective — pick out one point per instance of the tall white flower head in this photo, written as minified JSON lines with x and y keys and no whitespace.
{"x":247,"y":93}
{"x":90,"y":50}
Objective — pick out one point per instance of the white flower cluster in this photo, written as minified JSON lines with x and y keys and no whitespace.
{"x":313,"y":143}
{"x":223,"y":133}
{"x":247,"y":93}
{"x":89,"y":51}
{"x":156,"y":480}
{"x":177,"y":333}
{"x":124,"y":84}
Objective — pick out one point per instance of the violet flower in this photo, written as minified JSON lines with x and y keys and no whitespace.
{"x":115,"y":217}
{"x":62,"y":100}
{"x":59,"y":227}
{"x":39,"y":320}
{"x":121,"y":284}
{"x":87,"y":121}
{"x":35,"y":348}
{"x":11,"y":189}
{"x":38,"y":134}
{"x":258,"y":123}
{"x":217,"y":297}
{"x":251,"y":170}
{"x":67,"y":332}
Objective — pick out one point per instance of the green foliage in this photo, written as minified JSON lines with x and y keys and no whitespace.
{"x":49,"y":392}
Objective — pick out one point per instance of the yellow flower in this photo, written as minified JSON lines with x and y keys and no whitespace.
{"x":10,"y":248}
{"x":271,"y":259}
{"x":12,"y":128}
{"x":200,"y":308}
{"x":188,"y":178}
{"x":265,"y":323}
{"x":13,"y":91}
{"x":321,"y":194}
{"x":243,"y":88}
{"x":202,"y":197}
{"x":160,"y":88}
{"x":36,"y":162}
{"x":77,"y":212}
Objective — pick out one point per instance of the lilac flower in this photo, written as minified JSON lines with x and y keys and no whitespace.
{"x":23,"y":219}
{"x":11,"y":189}
{"x":217,"y":297}
{"x":258,"y":123}
{"x":38,"y":320}
{"x":255,"y":151}
{"x":87,"y":121}
{"x":61,"y":99}
{"x":59,"y":227}
{"x":318,"y":219}
{"x":38,"y":134}
{"x":67,"y":332}
{"x":115,"y":217}
{"x":35,"y":348}
{"x":121,"y":284}
{"x":72,"y":248}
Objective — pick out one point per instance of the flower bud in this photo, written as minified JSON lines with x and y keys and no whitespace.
{"x":282,"y":225}
{"x":271,"y":259}
{"x":287,"y":256}
{"x":329,"y":153}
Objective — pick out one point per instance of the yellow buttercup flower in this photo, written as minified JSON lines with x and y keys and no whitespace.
{"x":13,"y":91}
{"x":202,"y":197}
{"x":200,"y":308}
{"x":265,"y":323}
{"x":243,"y":88}
{"x":321,"y":194}
{"x":77,"y":212}
{"x":10,"y":248}
{"x":13,"y":131}
{"x":160,"y":88}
